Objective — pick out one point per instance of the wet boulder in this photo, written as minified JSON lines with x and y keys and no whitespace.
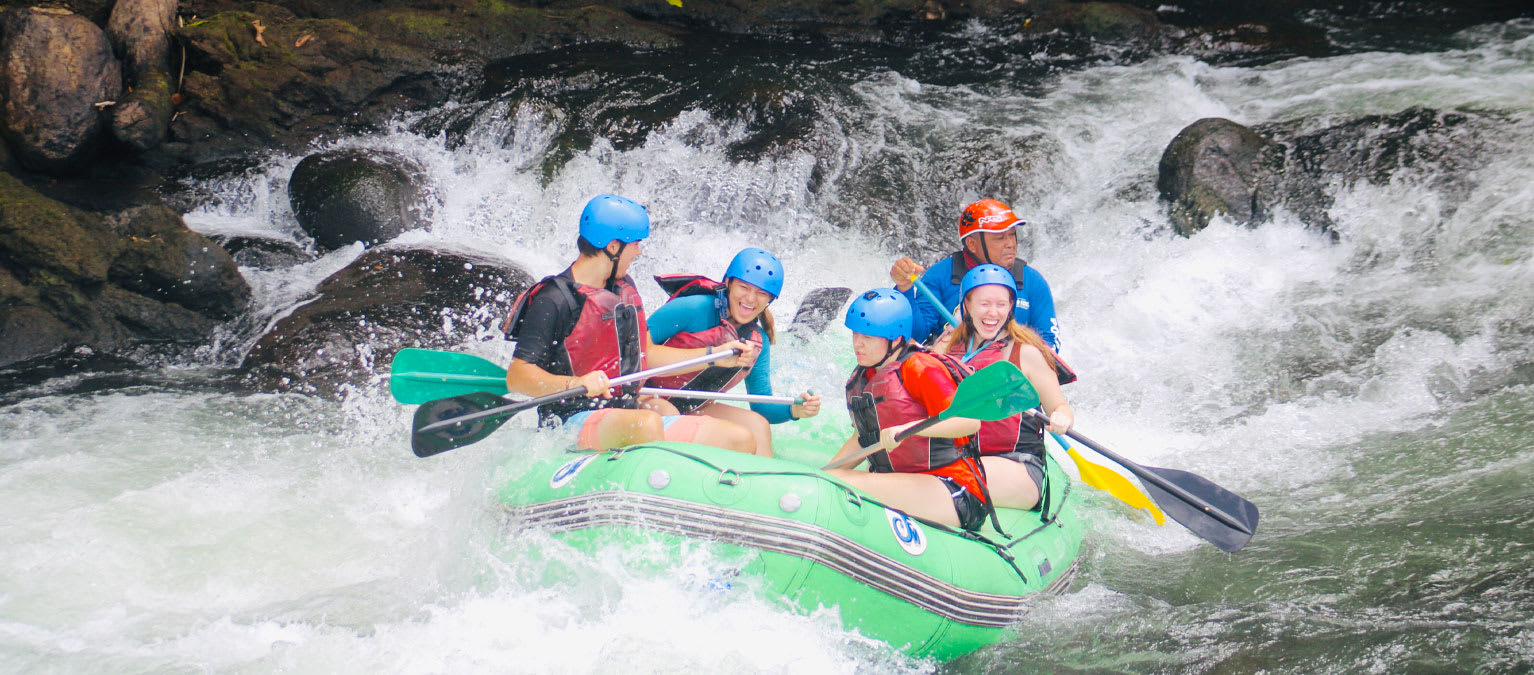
{"x":344,"y":196}
{"x":266,"y":77}
{"x":386,"y":300}
{"x":161,"y":258}
{"x":140,"y":32}
{"x":111,"y":282}
{"x":264,"y":253}
{"x":1218,"y":167}
{"x":1109,"y":21}
{"x":57,"y":73}
{"x":1440,"y":150}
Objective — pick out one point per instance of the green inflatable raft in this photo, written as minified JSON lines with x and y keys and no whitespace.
{"x":811,"y":541}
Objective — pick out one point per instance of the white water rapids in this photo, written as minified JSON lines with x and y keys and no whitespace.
{"x":1362,"y":386}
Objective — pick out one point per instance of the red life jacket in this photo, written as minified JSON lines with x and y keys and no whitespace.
{"x":712,"y":378}
{"x":1015,"y":433}
{"x":608,"y":332}
{"x":895,"y":405}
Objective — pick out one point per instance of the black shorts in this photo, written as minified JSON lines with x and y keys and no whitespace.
{"x":968,"y":505}
{"x":1030,"y":461}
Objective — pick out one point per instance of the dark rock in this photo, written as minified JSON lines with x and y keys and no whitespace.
{"x":66,"y":275}
{"x":1439,"y":149}
{"x":264,"y":253}
{"x":490,"y":31}
{"x":302,"y":77}
{"x":163,"y":259}
{"x":1215,"y":166}
{"x":142,"y":119}
{"x":42,"y":236}
{"x":386,"y":300}
{"x":55,"y":67}
{"x":140,"y":33}
{"x":1100,"y":20}
{"x":344,"y":196}
{"x":32,"y":333}
{"x":147,"y":320}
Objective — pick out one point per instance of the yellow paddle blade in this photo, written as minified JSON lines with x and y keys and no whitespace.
{"x":675,"y":3}
{"x":1114,"y":483}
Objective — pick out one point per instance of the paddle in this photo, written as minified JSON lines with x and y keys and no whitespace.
{"x":720,"y":396}
{"x":1095,"y":475}
{"x":932,"y":298}
{"x":421,"y":375}
{"x":816,"y":310}
{"x":1220,"y":516}
{"x":445,"y":424}
{"x":1110,"y":481}
{"x":995,"y":392}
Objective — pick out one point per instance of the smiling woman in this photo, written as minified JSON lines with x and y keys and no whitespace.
{"x":1372,"y":393}
{"x":706,"y":313}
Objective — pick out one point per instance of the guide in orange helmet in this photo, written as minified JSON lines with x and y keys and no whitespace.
{"x":987,"y":234}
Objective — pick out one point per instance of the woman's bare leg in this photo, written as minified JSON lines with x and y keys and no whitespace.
{"x":1010,"y":485}
{"x":917,"y":494}
{"x":761,"y":431}
{"x":615,"y":428}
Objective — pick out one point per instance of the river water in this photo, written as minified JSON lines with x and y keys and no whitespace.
{"x":1373,"y":395}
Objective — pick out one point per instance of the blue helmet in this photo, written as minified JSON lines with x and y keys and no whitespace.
{"x":881,"y":312}
{"x":758,"y":268}
{"x":987,"y":275}
{"x":609,"y":217}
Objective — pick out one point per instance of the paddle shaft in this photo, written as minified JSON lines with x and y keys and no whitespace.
{"x":576,"y":391}
{"x":909,"y":432}
{"x":720,"y":396}
{"x":1149,"y":477}
{"x":932,"y":298}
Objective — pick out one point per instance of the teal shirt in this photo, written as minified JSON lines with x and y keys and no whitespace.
{"x":698,"y":313}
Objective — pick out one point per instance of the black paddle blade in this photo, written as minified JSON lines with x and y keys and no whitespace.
{"x":1226,"y":537}
{"x":426,"y":444}
{"x":817,"y":309}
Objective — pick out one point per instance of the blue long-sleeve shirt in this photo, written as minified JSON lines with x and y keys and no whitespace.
{"x":1035,"y":304}
{"x":698,"y":313}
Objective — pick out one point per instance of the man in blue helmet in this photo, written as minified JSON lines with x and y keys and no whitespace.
{"x":703,"y":312}
{"x":586,"y":325}
{"x":987,"y":234}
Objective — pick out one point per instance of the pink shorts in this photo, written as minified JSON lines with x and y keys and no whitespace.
{"x":678,"y":427}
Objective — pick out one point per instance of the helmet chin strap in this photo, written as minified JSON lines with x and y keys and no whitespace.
{"x":889,"y":350}
{"x":612,"y":276}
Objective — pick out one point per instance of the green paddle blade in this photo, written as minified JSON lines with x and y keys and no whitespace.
{"x":421,"y":375}
{"x":995,"y":392}
{"x":428,"y":443}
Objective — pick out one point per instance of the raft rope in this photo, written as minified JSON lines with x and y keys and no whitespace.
{"x":1003,"y":550}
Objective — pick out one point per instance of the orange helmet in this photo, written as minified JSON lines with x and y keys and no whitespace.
{"x":987,"y":215}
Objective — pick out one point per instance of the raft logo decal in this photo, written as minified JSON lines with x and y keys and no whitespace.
{"x":907,"y":532}
{"x":563,"y":475}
